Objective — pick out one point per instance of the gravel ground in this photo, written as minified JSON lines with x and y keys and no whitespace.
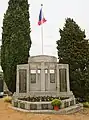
{"x":6,"y":113}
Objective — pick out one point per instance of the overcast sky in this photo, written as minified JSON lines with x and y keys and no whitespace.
{"x":55,"y":12}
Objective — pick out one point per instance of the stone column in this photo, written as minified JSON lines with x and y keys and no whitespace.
{"x":68,"y":83}
{"x":28,"y":81}
{"x":48,"y":78}
{"x":36,"y":76}
{"x":17,"y":81}
{"x":42,"y":77}
{"x":58,"y":81}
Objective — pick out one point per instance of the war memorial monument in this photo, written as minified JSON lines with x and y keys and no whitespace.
{"x":39,"y":81}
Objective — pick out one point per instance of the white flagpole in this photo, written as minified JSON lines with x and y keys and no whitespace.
{"x":42,"y":31}
{"x":42,"y":39}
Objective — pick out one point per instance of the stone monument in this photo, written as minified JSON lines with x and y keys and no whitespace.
{"x":43,"y":76}
{"x":41,"y":79}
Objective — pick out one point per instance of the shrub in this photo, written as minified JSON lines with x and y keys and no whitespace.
{"x":86,"y":104}
{"x":56,"y":102}
{"x":7,"y":99}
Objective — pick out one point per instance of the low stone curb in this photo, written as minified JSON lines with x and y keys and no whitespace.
{"x":68,"y":110}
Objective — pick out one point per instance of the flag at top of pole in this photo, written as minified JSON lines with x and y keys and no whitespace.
{"x":41,"y":17}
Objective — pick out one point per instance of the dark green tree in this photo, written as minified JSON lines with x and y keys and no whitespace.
{"x":73,"y":49}
{"x":16,"y":40}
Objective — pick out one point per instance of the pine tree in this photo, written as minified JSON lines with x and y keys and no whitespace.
{"x":73,"y":49}
{"x":16,"y":41}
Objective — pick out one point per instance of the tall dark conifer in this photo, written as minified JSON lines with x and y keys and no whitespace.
{"x":16,"y":41}
{"x":74,"y":50}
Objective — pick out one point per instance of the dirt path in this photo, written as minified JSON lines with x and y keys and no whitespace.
{"x":7,"y":113}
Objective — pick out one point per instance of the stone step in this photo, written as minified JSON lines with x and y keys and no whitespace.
{"x":68,"y":110}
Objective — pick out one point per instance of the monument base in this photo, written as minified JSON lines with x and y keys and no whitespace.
{"x":43,"y":93}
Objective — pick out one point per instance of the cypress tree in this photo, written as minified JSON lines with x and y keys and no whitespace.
{"x":73,"y":49}
{"x":16,"y":41}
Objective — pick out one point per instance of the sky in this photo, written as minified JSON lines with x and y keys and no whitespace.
{"x":55,"y":12}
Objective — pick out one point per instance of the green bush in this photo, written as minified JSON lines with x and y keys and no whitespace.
{"x":56,"y":102}
{"x":86,"y":104}
{"x":7,"y":99}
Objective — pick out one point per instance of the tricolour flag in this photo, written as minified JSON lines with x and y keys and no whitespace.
{"x":41,"y":18}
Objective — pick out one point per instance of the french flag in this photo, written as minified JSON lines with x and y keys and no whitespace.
{"x":41,"y":18}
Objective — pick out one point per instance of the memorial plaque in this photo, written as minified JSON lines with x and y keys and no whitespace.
{"x":22,"y":105}
{"x":44,"y":106}
{"x":22,"y":80}
{"x":71,"y":102}
{"x":33,"y":78}
{"x":33,"y":107}
{"x":66,"y":104}
{"x":52,"y":76}
{"x":63,"y":80}
{"x":15,"y":104}
{"x":50,"y":107}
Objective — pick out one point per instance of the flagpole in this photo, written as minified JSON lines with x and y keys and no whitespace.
{"x":42,"y":38}
{"x":40,"y":22}
{"x":42,"y":32}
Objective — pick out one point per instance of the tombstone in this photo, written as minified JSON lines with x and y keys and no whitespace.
{"x":43,"y":76}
